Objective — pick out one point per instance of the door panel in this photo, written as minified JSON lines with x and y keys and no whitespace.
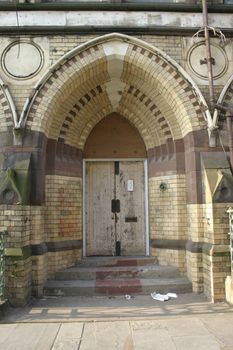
{"x":124,"y":182}
{"x":100,"y":228}
{"x":131,"y":223}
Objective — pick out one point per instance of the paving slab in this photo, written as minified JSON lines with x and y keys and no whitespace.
{"x":201,"y":342}
{"x":113,"y":335}
{"x":185,"y":327}
{"x":188,"y":322}
{"x":152,"y":339}
{"x":28,"y":336}
{"x":69,"y":337}
{"x":221,"y":327}
{"x":5,"y":332}
{"x":105,"y":335}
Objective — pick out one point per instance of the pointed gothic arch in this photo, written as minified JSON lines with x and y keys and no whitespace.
{"x":115,"y":73}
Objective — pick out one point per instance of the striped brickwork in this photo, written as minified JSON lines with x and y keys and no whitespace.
{"x":134,"y":79}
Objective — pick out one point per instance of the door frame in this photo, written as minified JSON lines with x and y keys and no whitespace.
{"x":146,"y":197}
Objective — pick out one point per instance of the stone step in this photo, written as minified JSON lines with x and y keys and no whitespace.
{"x":117,"y":261}
{"x":120,"y":272}
{"x":117,"y":286}
{"x":117,"y":276}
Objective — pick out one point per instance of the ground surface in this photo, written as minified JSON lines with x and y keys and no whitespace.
{"x":80,"y":323}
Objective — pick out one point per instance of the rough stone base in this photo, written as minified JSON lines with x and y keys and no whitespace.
{"x":4,"y":307}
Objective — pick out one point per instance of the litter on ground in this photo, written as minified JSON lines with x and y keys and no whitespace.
{"x":128,"y":297}
{"x":172,"y":295}
{"x":163,"y":297}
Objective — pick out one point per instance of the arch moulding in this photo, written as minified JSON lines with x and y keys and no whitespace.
{"x":144,"y":73}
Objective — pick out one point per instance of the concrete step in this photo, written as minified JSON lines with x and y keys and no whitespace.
{"x":117,"y":261}
{"x":120,"y":272}
{"x":117,"y":286}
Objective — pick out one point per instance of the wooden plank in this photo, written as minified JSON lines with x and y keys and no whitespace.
{"x":99,"y":219}
{"x":131,"y":234}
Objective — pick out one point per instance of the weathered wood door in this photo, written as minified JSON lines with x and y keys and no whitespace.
{"x":131,"y":218}
{"x":99,"y":192}
{"x":115,"y":208}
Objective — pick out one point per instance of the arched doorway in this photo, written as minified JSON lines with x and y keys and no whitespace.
{"x":123,"y":75}
{"x":108,"y":79}
{"x":115,"y":191}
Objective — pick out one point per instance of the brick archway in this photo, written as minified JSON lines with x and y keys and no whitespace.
{"x":114,"y":74}
{"x":121,"y":74}
{"x":225,"y":99}
{"x":147,"y":87}
{"x":8,"y":117}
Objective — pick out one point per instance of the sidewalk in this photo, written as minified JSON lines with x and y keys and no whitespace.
{"x":100,"y":323}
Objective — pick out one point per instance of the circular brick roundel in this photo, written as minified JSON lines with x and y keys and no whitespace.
{"x":22,"y":60}
{"x":197,"y":60}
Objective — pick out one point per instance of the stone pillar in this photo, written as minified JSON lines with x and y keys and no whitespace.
{"x":38,"y":250}
{"x":194,"y":246}
{"x":15,"y":219}
{"x":216,"y":255}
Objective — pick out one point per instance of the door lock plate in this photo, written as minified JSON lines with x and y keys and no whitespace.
{"x":133,"y":219}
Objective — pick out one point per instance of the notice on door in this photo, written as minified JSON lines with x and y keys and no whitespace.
{"x":130,"y":185}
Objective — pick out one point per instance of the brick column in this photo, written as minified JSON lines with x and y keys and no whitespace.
{"x":16,"y":220}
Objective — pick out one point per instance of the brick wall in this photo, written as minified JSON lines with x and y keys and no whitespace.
{"x":168,"y":218}
{"x":168,"y":212}
{"x":194,"y":263}
{"x":172,"y":257}
{"x":63,"y":219}
{"x":63,"y":208}
{"x":209,"y":265}
{"x":216,"y":262}
{"x":60,"y":260}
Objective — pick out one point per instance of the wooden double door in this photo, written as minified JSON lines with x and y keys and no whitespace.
{"x":115,"y":208}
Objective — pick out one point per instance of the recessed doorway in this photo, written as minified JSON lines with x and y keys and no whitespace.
{"x":115,"y":208}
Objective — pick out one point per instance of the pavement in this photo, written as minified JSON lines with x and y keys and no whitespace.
{"x":108,"y":323}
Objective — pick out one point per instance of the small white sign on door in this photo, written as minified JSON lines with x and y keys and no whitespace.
{"x":130,"y":185}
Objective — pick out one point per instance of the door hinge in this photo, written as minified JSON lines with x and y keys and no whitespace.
{"x":117,"y":168}
{"x":116,"y":207}
{"x":118,"y":248}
